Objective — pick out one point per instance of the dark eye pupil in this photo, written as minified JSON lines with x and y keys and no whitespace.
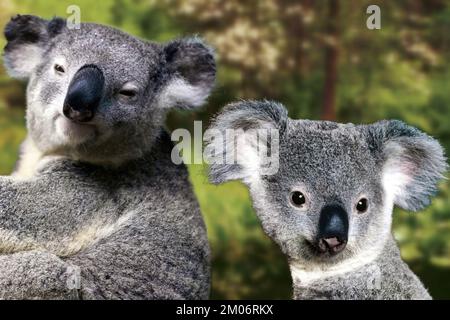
{"x":59,"y":68}
{"x":298,"y":198}
{"x":361,"y":206}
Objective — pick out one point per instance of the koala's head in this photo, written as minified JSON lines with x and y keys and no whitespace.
{"x":332,"y":197}
{"x":100,"y":95}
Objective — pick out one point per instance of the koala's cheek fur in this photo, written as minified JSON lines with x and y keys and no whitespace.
{"x":288,"y":228}
{"x":45,"y":101}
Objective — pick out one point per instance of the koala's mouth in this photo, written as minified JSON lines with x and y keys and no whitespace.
{"x":72,"y":132}
{"x":316,"y":250}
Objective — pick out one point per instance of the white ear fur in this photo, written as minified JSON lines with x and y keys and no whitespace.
{"x":246,"y":149}
{"x":252,"y":152}
{"x":245,"y":142}
{"x":27,"y":38}
{"x":26,"y":58}
{"x":247,"y":154}
{"x":413,"y":164}
{"x":179,"y":93}
{"x":396,"y":174}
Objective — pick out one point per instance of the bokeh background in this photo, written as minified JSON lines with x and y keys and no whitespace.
{"x":320,"y":60}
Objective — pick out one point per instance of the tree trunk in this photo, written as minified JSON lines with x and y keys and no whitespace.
{"x":331,"y":62}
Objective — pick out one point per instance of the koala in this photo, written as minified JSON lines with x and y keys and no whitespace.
{"x":96,"y":209}
{"x":329,"y":203}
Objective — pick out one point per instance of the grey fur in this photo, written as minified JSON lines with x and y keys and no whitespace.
{"x":337,"y":164}
{"x":110,"y":204}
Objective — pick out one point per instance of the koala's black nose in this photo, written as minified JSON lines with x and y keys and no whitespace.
{"x":84,"y":94}
{"x":333,"y":229}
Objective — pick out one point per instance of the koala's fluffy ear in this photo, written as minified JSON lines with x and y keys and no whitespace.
{"x":412,"y":163}
{"x":192,"y":71}
{"x":240,"y":136}
{"x":27,"y":39}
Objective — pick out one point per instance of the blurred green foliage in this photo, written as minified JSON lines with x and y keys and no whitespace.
{"x":275,"y":49}
{"x":12,"y":133}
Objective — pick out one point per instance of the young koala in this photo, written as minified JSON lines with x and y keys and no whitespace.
{"x":96,"y":208}
{"x":329,"y":205}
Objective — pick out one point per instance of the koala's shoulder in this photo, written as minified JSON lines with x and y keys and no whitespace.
{"x":159,"y":165}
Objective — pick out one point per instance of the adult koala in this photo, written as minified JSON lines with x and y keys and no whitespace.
{"x":96,"y":209}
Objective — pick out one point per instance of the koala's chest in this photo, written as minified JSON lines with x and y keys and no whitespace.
{"x":373,"y":281}
{"x":28,"y":162}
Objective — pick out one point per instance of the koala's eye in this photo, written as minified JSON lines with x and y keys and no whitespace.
{"x":127,"y":93}
{"x":59,"y":68}
{"x":362,"y":205}
{"x":298,"y":199}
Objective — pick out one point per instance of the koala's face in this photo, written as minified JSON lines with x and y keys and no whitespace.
{"x":327,"y":196}
{"x":98,"y":94}
{"x":331,"y":198}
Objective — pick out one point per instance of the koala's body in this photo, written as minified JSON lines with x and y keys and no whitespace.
{"x":386,"y":277}
{"x":329,"y":205}
{"x":96,"y":209}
